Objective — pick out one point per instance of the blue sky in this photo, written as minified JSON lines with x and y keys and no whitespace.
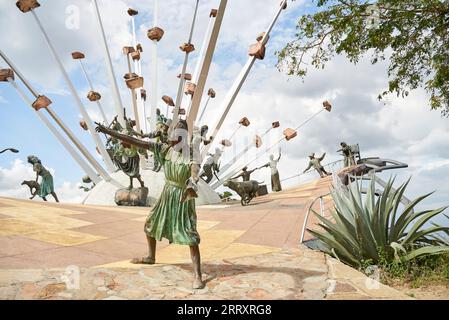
{"x":403,"y":129}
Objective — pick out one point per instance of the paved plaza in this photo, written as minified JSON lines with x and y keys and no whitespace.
{"x":248,"y":252}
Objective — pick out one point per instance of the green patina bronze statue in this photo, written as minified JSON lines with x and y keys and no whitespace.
{"x":126,"y":157}
{"x":46,"y":186}
{"x":275,"y":179}
{"x":316,"y":164}
{"x":174,"y":214}
{"x":348,"y":154}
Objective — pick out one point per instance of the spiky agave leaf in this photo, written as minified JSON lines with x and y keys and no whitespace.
{"x":360,"y":229}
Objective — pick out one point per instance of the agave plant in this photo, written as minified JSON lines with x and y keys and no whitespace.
{"x":376,"y":226}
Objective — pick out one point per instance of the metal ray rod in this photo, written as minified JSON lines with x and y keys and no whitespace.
{"x":116,"y":93}
{"x":239,"y":156}
{"x":196,"y":73}
{"x":204,"y":110}
{"x":106,"y":158}
{"x":222,"y":180}
{"x":100,"y":107}
{"x":84,"y":166}
{"x":203,"y":74}
{"x":180,"y":93}
{"x":235,"y":89}
{"x":154,"y":73}
{"x":59,"y":122}
{"x":134,"y":98}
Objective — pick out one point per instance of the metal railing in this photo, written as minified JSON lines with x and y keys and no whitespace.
{"x":304,"y":226}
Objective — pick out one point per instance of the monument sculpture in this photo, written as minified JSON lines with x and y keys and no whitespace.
{"x":275,"y":180}
{"x":349,"y":157}
{"x":46,"y":186}
{"x":171,"y":218}
{"x":315,"y":162}
{"x":211,"y":166}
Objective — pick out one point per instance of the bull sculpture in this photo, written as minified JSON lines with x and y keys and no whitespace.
{"x":247,"y":190}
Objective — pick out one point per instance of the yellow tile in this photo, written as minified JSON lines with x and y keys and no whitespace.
{"x":64,"y":237}
{"x":56,"y":222}
{"x":10,"y":227}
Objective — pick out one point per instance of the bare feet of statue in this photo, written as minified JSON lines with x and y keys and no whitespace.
{"x":144,"y":260}
{"x":198,"y":283}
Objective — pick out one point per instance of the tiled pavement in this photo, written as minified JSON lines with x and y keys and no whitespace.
{"x":247,"y":253}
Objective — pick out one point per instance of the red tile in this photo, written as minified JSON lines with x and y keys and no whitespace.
{"x":16,"y":245}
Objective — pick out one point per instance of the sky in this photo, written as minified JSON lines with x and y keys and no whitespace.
{"x":403,"y":129}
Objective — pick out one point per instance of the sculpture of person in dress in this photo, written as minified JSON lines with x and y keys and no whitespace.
{"x":46,"y":185}
{"x":174,"y":215}
{"x":275,"y":179}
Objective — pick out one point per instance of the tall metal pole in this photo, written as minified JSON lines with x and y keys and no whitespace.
{"x":154,"y":73}
{"x":112,"y":78}
{"x":84,"y":166}
{"x":203,"y":74}
{"x":59,"y":122}
{"x":204,"y":110}
{"x":100,"y":107}
{"x":134,"y":98}
{"x":101,"y":148}
{"x":180,"y":94}
{"x":235,"y":89}
{"x":196,"y":73}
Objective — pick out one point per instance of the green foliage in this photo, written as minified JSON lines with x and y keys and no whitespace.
{"x":374,"y":230}
{"x":414,"y":32}
{"x":225,"y":195}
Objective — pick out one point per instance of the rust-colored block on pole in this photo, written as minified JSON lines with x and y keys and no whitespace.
{"x":168,"y":100}
{"x":93,"y":96}
{"x":27,"y":5}
{"x":155,"y":34}
{"x":275,"y":125}
{"x":187,"y":47}
{"x":133,"y":12}
{"x":41,"y":102}
{"x":244,"y":122}
{"x":290,"y":134}
{"x":257,"y":50}
{"x":133,"y":81}
{"x":187,"y":76}
{"x":6,"y":74}
{"x":211,"y":93}
{"x":78,"y":55}
{"x":190,"y":88}
{"x":327,"y":105}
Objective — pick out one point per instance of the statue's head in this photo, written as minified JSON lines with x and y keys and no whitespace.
{"x":311,"y":156}
{"x":204,"y":130}
{"x":245,"y":169}
{"x":33,"y":159}
{"x":158,"y":112}
{"x":218,"y":151}
{"x":272,"y":157}
{"x":343,"y":144}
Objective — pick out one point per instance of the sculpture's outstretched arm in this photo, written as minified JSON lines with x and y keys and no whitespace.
{"x":147,"y":145}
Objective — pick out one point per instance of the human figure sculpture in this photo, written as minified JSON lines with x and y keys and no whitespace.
{"x":211,"y":167}
{"x":126,"y":157}
{"x":198,"y":138}
{"x":171,"y":218}
{"x":348,"y":154}
{"x":245,"y":174}
{"x":275,"y":180}
{"x":316,"y":164}
{"x":46,"y":184}
{"x":160,"y":135}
